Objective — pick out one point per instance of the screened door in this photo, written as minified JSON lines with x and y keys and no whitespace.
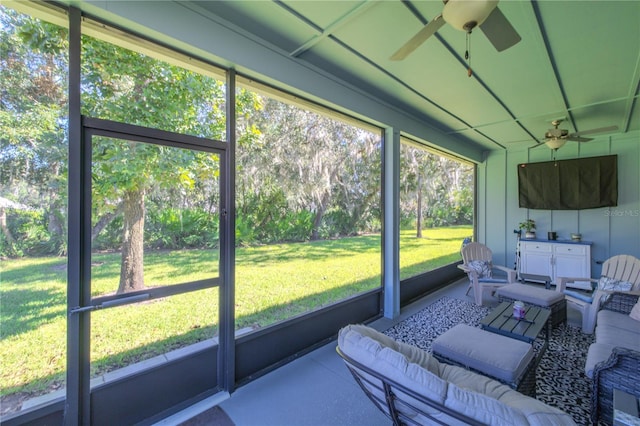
{"x":148,"y":289}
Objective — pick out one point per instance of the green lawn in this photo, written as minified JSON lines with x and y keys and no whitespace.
{"x":273,"y":282}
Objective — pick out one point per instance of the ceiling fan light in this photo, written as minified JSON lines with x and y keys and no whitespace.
{"x":555,"y":143}
{"x":458,"y":13}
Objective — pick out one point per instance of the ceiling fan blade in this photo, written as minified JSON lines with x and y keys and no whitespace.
{"x":576,"y":138}
{"x":427,"y":31}
{"x":499,"y":31}
{"x":592,"y":131}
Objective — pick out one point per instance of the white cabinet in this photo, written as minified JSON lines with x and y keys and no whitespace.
{"x":536,"y":258}
{"x":556,"y":259}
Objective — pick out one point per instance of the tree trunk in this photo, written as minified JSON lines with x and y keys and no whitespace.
{"x":317,"y":221}
{"x":132,"y":269}
{"x":105,"y":220}
{"x":54,"y":224}
{"x":419,"y":208}
{"x":55,"y":221}
{"x":7,"y":233}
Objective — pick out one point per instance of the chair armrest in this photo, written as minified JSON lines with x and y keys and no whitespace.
{"x":561,"y":282}
{"x":619,"y":301}
{"x":620,"y":371}
{"x":465,"y":268}
{"x":599,"y":297}
{"x":511,"y":273}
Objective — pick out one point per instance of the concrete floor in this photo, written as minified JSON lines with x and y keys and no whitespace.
{"x":317,"y":389}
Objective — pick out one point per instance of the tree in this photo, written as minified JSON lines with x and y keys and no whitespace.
{"x":33,"y":105}
{"x":119,"y":85}
{"x":126,"y":86}
{"x":413,"y":181}
{"x":434,"y":189}
{"x":318,"y":162}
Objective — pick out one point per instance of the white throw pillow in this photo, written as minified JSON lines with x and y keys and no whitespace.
{"x":611,"y":284}
{"x":481,"y":267}
{"x":635,"y":311}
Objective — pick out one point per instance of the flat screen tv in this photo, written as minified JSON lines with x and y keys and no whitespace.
{"x":583,"y":183}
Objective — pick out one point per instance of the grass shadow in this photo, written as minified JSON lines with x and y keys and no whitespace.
{"x":50,"y":303}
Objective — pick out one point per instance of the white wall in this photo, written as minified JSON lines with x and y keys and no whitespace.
{"x":613,"y":230}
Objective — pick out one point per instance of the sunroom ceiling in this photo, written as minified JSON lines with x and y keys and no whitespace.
{"x":577,"y":59}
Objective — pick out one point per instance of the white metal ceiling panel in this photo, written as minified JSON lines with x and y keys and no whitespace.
{"x":265,"y":20}
{"x":577,"y":59}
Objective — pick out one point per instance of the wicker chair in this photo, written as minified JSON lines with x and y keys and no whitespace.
{"x":621,"y":371}
{"x":620,"y":267}
{"x":475,"y":251}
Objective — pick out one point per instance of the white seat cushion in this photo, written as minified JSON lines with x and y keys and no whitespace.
{"x":530,"y":294}
{"x":615,"y":319}
{"x":497,"y":356}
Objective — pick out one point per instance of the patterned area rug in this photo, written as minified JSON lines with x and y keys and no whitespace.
{"x":560,"y":380}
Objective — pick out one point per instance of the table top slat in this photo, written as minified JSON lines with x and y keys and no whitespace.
{"x":501,"y":321}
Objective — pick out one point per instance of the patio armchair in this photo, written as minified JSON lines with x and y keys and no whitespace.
{"x":477,"y":262}
{"x":617,"y":272}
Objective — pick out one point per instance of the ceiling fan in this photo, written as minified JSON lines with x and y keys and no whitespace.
{"x":556,"y":138}
{"x":465,"y":15}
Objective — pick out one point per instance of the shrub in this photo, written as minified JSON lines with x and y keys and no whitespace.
{"x":29,"y":229}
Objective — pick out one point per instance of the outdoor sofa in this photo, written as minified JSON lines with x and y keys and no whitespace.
{"x":613,"y":361}
{"x":412,"y":387}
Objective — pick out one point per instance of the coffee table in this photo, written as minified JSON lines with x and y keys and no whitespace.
{"x":501,"y":321}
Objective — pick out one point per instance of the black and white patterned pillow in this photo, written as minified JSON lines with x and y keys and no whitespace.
{"x":481,"y":267}
{"x":611,"y":284}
